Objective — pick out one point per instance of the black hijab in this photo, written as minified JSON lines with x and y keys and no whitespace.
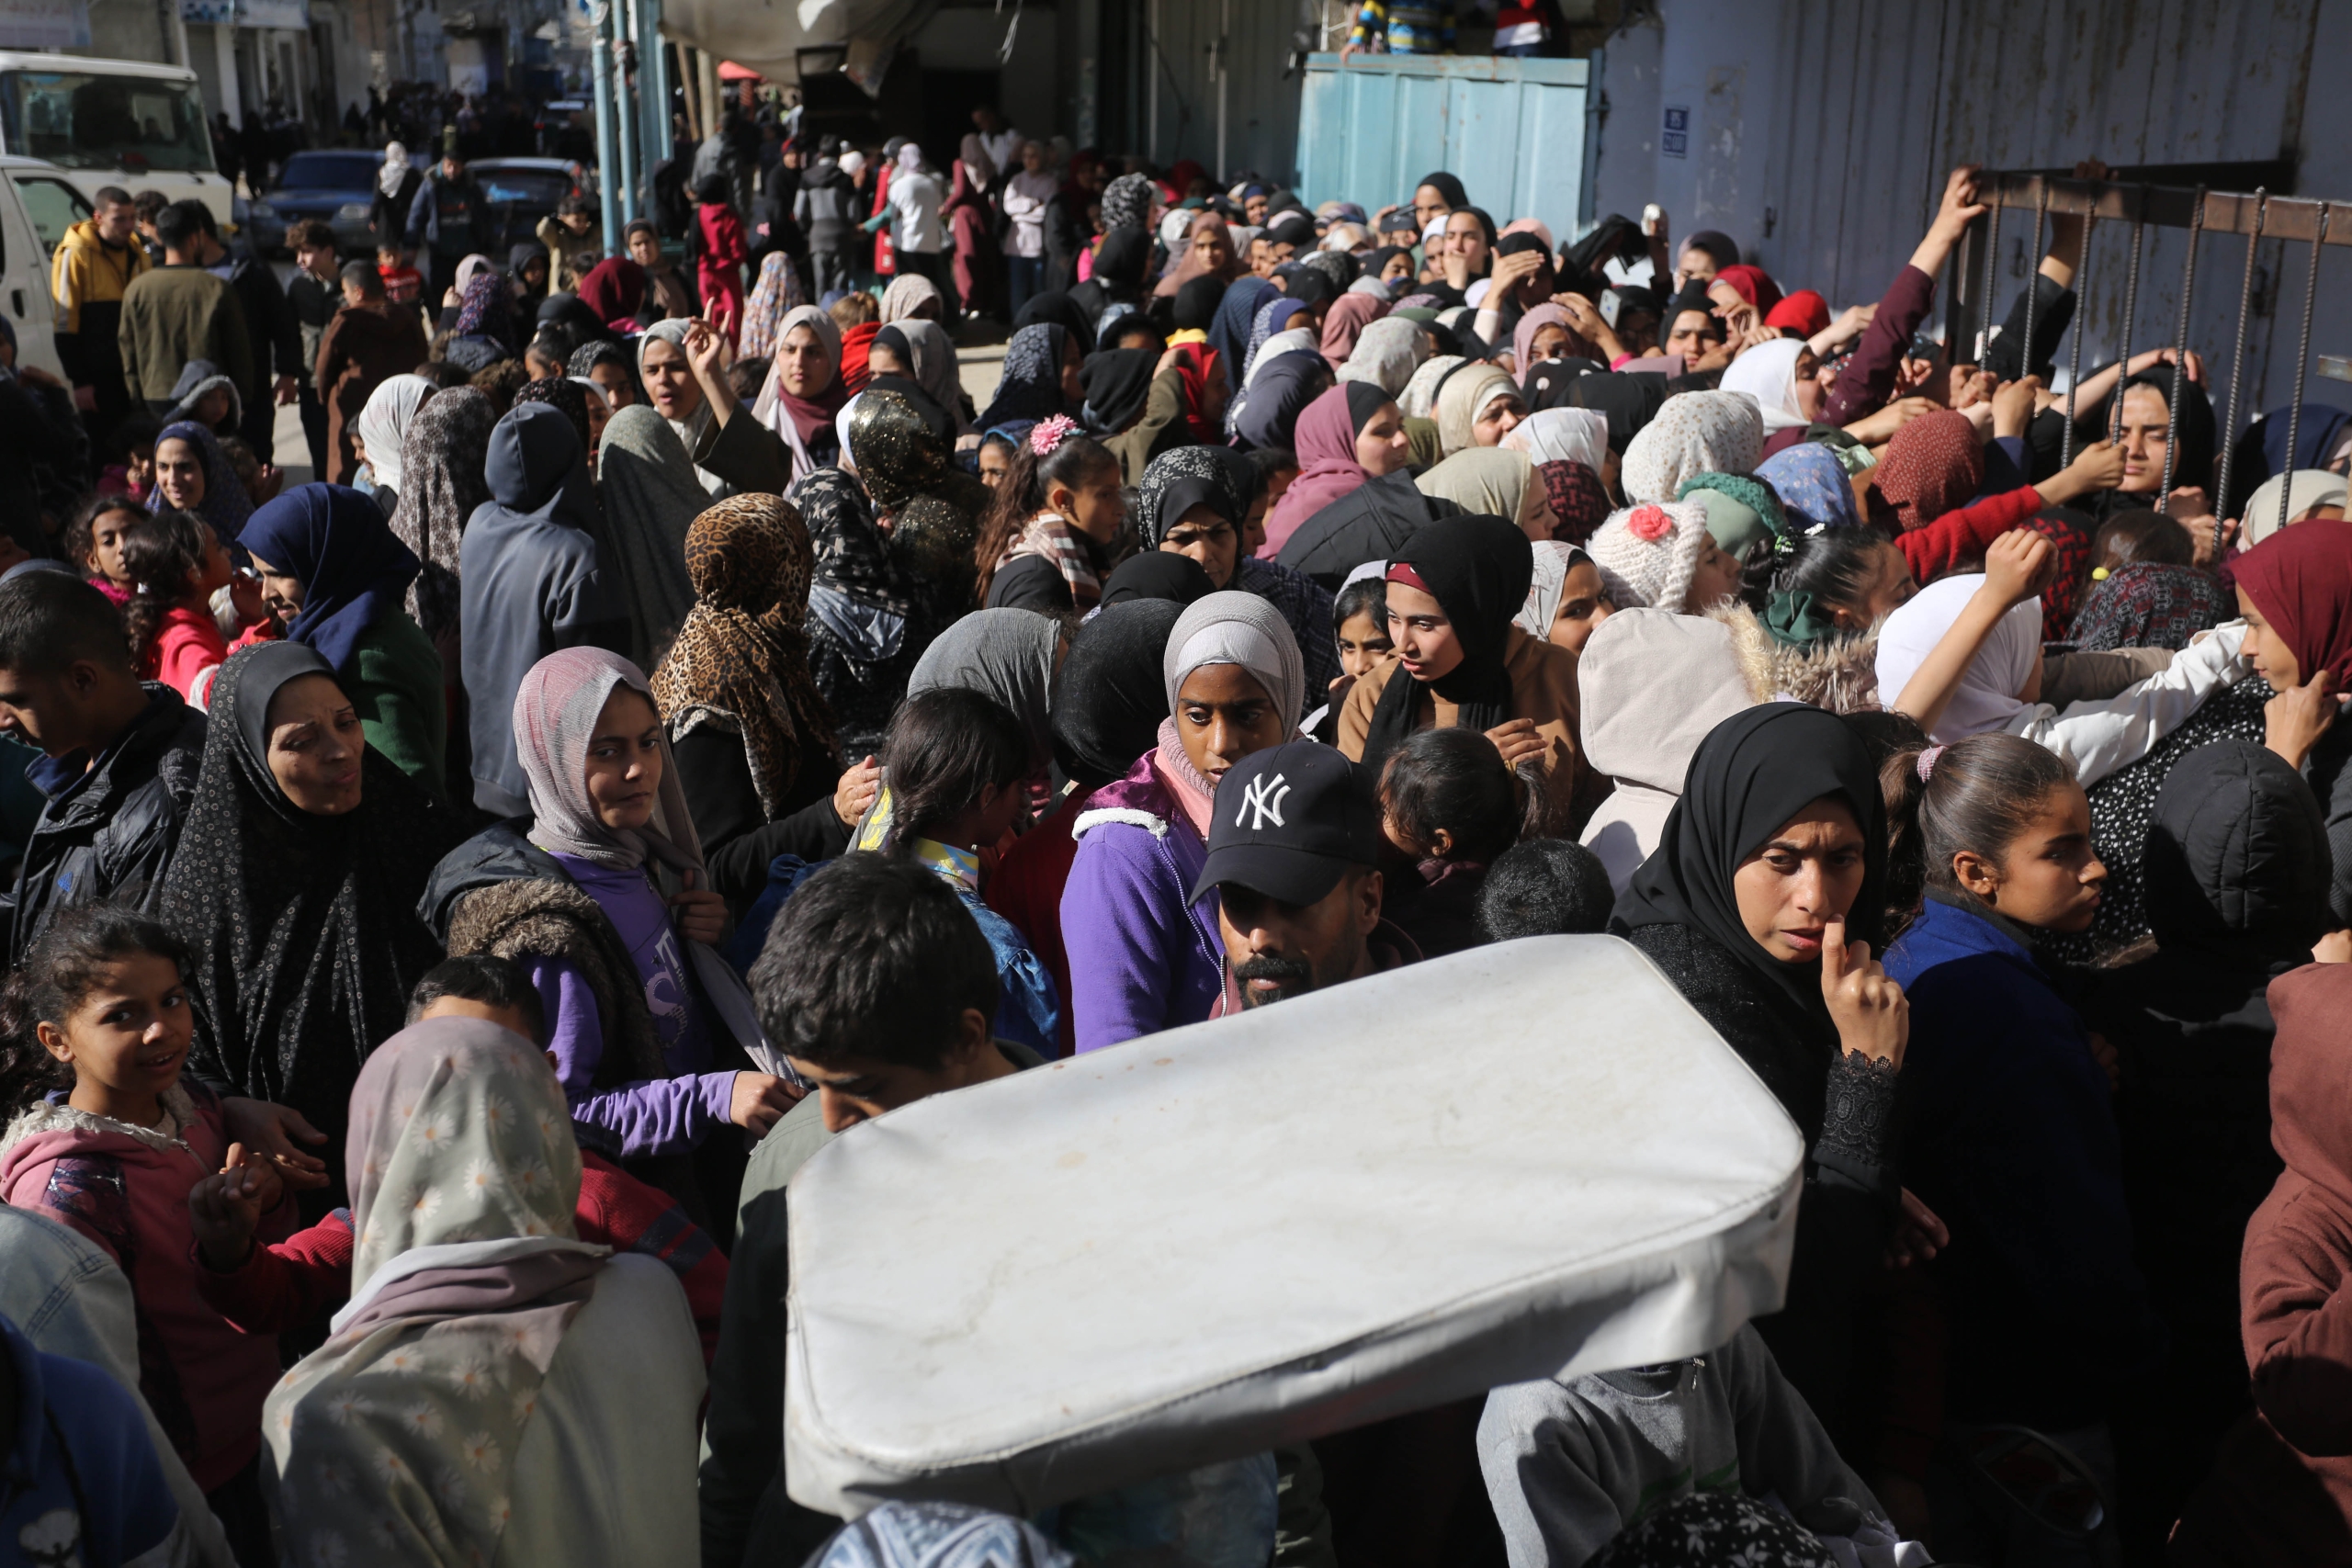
{"x":1446,"y":186}
{"x":2236,"y":866}
{"x":302,"y":931}
{"x":1110,"y":697}
{"x":1754,"y":772}
{"x":1117,"y":382}
{"x":1120,"y":261}
{"x":1628,"y":399}
{"x":1058,"y":310}
{"x":2194,"y":463}
{"x":1196,"y":303}
{"x":1309,"y":288}
{"x":1546,"y":381}
{"x":1160,"y":575}
{"x":933,"y":416}
{"x":1478,"y":569}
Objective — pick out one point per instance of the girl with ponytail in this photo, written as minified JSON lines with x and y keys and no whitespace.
{"x":1046,"y":542}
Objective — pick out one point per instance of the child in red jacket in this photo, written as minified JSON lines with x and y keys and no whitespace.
{"x":720,"y":256}
{"x":269,"y":1290}
{"x":100,"y":1004}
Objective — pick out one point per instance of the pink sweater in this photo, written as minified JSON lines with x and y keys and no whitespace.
{"x":126,"y":1189}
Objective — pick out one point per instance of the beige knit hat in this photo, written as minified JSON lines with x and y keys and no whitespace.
{"x":1646,"y":554}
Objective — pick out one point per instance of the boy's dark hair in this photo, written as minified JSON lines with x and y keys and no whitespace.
{"x":310,"y":235}
{"x":1269,"y":461}
{"x":178,"y":225}
{"x":57,"y":975}
{"x":1979,"y":795}
{"x":133,"y":433}
{"x":747,"y":376}
{"x":500,"y":382}
{"x":2142,"y":535}
{"x":872,"y":957}
{"x":559,"y":340}
{"x":363,"y":276}
{"x":160,"y":552}
{"x":484,"y":978}
{"x":443,"y":374}
{"x":1366,"y":595}
{"x":945,"y":746}
{"x":539,"y":352}
{"x":1452,"y":780}
{"x":1544,"y":887}
{"x":1136,"y":325}
{"x":48,"y":620}
{"x":150,"y":205}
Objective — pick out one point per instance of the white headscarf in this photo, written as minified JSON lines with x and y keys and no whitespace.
{"x":1554,"y":559}
{"x":1562,"y":436}
{"x":1989,"y":696}
{"x":383,"y":424}
{"x":395,"y":169}
{"x":1769,"y":373}
{"x":1233,"y":627}
{"x":841,"y":429}
{"x":1387,"y":354}
{"x":852,"y":163}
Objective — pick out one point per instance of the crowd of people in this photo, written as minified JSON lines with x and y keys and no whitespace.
{"x":453,"y":898}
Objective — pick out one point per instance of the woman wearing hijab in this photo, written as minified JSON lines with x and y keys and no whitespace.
{"x":1195,"y":501}
{"x":753,"y":738}
{"x":971,"y":229}
{"x":1121,"y":262}
{"x":1117,"y":383}
{"x":1281,"y":325}
{"x":1564,"y":435}
{"x":1477,"y":407}
{"x":1008,"y":657}
{"x":650,"y":497}
{"x":1237,"y":316}
{"x":803,"y":392}
{"x":1453,"y":591}
{"x":1040,"y":376}
{"x":442,"y":463}
{"x":1780,"y":375}
{"x":395,"y":193}
{"x":1932,"y":467}
{"x":192,"y":474}
{"x":603,"y":895}
{"x":2149,"y":604}
{"x":677,"y":361}
{"x":937,"y":374}
{"x":1696,"y":432}
{"x":911,"y":295}
{"x":776,"y":291}
{"x":861,"y":646}
{"x":382,"y":429}
{"x":1107,"y":707}
{"x":1208,"y":253}
{"x":2144,"y":427}
{"x":295,"y":885}
{"x":894,"y":354}
{"x":1266,"y":413}
{"x":527,"y":274}
{"x":1353,"y":433}
{"x":2295,"y":590}
{"x":1487,"y":482}
{"x":1813,"y":488}
{"x":614,"y":292}
{"x":1385,"y":354}
{"x":1144,"y":954}
{"x":533,"y":583}
{"x":382,"y":1446}
{"x":1058,"y":310}
{"x":1776,"y":851}
{"x":334,"y":572}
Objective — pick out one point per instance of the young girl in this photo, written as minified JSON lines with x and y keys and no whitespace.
{"x":1448,"y":808}
{"x":2012,"y":1138}
{"x":1360,"y":629}
{"x":133,"y":447}
{"x":956,"y":766}
{"x":1046,"y":544}
{"x":94,"y":541}
{"x":995,"y":457}
{"x":719,"y":267}
{"x":107,"y":1140}
{"x":175,"y":563}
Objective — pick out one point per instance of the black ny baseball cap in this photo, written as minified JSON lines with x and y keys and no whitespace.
{"x":1289,"y":820}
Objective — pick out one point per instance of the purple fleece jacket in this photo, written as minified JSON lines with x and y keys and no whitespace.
{"x":1142,"y":957}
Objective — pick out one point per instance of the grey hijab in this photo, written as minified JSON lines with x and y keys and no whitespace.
{"x":1006,"y":656}
{"x":651,"y":497}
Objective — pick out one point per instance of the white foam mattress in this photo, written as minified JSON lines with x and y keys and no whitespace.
{"x":1523,"y":1160}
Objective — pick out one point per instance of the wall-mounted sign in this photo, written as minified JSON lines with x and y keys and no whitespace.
{"x":1674,"y":139}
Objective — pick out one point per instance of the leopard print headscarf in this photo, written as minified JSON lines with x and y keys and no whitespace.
{"x":742,"y":655}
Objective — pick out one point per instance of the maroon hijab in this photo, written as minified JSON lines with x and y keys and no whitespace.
{"x":2301,"y":578}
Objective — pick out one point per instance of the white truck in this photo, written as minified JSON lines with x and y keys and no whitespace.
{"x":112,"y":122}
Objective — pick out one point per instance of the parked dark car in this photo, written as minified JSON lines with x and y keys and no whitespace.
{"x":334,"y":185}
{"x":518,"y":192}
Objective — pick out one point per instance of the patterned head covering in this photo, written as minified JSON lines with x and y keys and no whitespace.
{"x":1813,"y":491}
{"x":851,"y":557}
{"x":1127,"y":200}
{"x":1185,"y":477}
{"x":1696,"y":432}
{"x":1419,"y":399}
{"x":1932,"y":466}
{"x":939,"y":1535}
{"x":393,"y":1440}
{"x":777,"y":290}
{"x":224,"y":505}
{"x":897,"y":453}
{"x":447,"y":448}
{"x":555,"y":709}
{"x":485,"y":309}
{"x":1387,"y":353}
{"x":1030,"y":384}
{"x":567,"y":398}
{"x":2149,"y":604}
{"x":1706,"y":1530}
{"x":742,"y":655}
{"x":1579,"y":501}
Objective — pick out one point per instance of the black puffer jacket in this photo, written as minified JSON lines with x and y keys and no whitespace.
{"x":2237,"y":887}
{"x":110,"y":833}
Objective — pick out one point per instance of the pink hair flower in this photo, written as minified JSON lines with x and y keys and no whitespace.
{"x":1049,"y":434}
{"x":1649,"y":522}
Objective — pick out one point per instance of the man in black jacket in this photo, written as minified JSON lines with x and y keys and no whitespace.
{"x":119,"y":757}
{"x":269,"y":321}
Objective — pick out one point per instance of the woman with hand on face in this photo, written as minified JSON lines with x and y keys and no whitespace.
{"x":1144,"y":955}
{"x":604,"y":897}
{"x":1454,"y":590}
{"x":682,"y":363}
{"x":1762,"y":904}
{"x":296,"y":885}
{"x":334,"y":574}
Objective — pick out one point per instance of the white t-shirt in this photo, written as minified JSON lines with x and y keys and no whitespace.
{"x":915,"y":198}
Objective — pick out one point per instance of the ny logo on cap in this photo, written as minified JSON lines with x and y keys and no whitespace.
{"x":1264,"y":797}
